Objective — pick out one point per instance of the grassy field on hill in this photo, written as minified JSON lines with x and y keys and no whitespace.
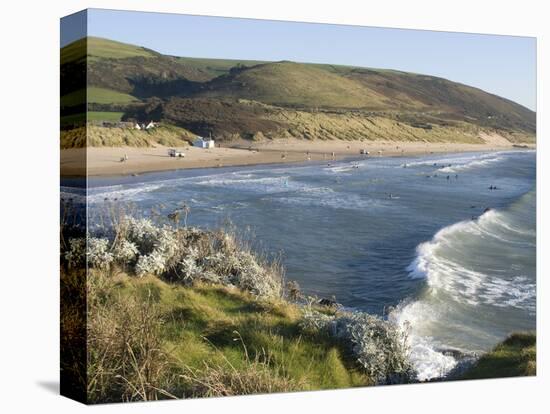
{"x":514,"y":357}
{"x":110,"y":49}
{"x":74,"y":52}
{"x":293,"y":84}
{"x":217,"y":67}
{"x":96,"y":95}
{"x":106,"y":96}
{"x":104,"y":116}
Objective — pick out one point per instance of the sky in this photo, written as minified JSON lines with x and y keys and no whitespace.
{"x":503,"y":65}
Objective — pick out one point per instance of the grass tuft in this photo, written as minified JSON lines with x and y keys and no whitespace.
{"x":514,"y":357}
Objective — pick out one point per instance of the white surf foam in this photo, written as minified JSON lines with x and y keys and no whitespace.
{"x":427,"y":361}
{"x":455,"y":285}
{"x":256,"y":184}
{"x":72,"y":194}
{"x":476,"y":163}
{"x":435,"y":262}
{"x":455,"y":164}
{"x":120,"y":193}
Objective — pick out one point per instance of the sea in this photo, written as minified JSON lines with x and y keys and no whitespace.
{"x":444,"y":245}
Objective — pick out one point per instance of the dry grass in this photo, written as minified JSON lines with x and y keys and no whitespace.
{"x":73,"y":333}
{"x":257,"y":377}
{"x":148,"y":339}
{"x":98,"y":136}
{"x":125,"y":357}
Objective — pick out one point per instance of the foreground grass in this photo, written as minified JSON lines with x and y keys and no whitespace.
{"x":224,"y":331}
{"x":514,"y":357}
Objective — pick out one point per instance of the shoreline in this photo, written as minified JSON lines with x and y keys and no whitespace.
{"x":105,"y":161}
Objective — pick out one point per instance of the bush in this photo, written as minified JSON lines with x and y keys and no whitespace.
{"x":98,"y":253}
{"x":378,"y":346}
{"x":184,"y":255}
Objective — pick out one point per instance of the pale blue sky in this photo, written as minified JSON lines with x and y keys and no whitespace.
{"x":503,"y":65}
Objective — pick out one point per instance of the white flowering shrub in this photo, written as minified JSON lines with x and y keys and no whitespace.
{"x":184,"y":255}
{"x":98,"y":253}
{"x":75,"y":255}
{"x":153,"y":263}
{"x":166,"y":242}
{"x":316,"y":321}
{"x":378,"y":346}
{"x":248,"y":275}
{"x":189,"y":270}
{"x":125,"y":252}
{"x":142,"y":232}
{"x":217,"y":262}
{"x":224,"y":243}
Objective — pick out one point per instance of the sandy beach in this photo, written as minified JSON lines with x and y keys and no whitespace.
{"x":106,"y":161}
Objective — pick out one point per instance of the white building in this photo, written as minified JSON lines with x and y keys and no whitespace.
{"x":150,"y":125}
{"x":136,"y":126}
{"x":204,"y":142}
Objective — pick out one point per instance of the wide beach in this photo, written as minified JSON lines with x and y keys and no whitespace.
{"x":106,"y":161}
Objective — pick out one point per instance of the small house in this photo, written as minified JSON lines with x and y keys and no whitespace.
{"x":150,"y":125}
{"x":201,"y":142}
{"x":136,"y":126}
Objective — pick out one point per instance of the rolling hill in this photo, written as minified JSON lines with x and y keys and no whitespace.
{"x":242,"y":97}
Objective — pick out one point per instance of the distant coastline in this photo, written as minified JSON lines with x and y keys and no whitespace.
{"x":106,"y":161}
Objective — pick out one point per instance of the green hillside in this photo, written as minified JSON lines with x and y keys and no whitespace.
{"x":74,"y":52}
{"x":217,"y":67}
{"x":103,"y":48}
{"x":96,"y":95}
{"x":240,"y":98}
{"x":294,"y":84}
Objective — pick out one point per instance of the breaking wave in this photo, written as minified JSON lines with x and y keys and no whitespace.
{"x":476,"y":163}
{"x":461,"y":163}
{"x":465,"y":274}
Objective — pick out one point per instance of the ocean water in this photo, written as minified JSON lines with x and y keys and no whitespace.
{"x":420,"y":240}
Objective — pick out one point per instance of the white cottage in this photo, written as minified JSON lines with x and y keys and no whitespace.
{"x":150,"y":125}
{"x":204,"y":142}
